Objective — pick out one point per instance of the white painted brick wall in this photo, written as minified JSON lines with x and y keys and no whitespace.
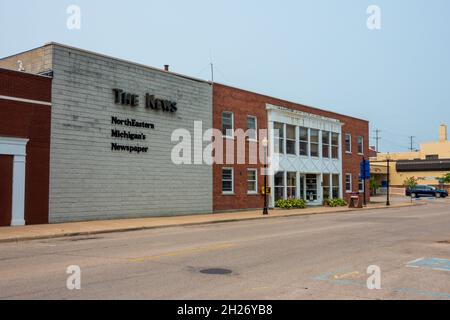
{"x":89,"y":181}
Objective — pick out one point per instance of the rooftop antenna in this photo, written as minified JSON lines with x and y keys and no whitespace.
{"x":212,"y":66}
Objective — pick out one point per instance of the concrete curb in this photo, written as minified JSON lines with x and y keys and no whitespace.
{"x":187,"y":224}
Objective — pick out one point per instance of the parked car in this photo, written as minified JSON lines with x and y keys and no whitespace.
{"x":426,"y":191}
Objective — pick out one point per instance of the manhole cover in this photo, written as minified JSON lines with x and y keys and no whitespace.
{"x":216,"y":271}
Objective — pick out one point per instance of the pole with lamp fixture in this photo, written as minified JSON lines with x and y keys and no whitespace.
{"x":265,"y":144}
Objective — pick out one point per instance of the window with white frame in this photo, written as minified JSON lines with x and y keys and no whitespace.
{"x":279,"y":185}
{"x":348,"y":182}
{"x":325,"y":144}
{"x":360,"y":145}
{"x":335,"y":145}
{"x":252,"y":181}
{"x":252,"y":128}
{"x":278,"y":137}
{"x":361,"y":185}
{"x":314,"y":137}
{"x":227,"y":124}
{"x":227,"y":181}
{"x":326,"y":186}
{"x":290,"y":139}
{"x":348,"y":143}
{"x":291,"y":187}
{"x":335,"y":181}
{"x":304,"y":150}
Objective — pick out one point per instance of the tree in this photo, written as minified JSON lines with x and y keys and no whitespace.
{"x":410,"y":182}
{"x":373,"y":186}
{"x":446,"y":178}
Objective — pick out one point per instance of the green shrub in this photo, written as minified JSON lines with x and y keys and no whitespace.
{"x":335,"y":203}
{"x":290,"y":204}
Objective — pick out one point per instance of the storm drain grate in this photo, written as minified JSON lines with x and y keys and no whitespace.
{"x":216,"y":271}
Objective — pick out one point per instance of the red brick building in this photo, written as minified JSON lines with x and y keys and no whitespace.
{"x":25,"y":111}
{"x":321,"y":151}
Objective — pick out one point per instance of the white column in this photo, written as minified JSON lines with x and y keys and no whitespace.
{"x":297,"y":185}
{"x":18,"y":201}
{"x":320,"y":187}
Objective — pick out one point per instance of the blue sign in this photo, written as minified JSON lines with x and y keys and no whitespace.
{"x":365,"y":170}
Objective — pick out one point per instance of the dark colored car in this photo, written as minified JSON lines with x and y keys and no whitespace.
{"x":426,"y":191}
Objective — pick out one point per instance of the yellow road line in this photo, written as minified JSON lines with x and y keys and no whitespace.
{"x":197,"y":250}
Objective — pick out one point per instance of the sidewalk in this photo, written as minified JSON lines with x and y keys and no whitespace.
{"x":12,"y":234}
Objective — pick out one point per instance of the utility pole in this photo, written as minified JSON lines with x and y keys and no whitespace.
{"x":377,"y":138}
{"x":388,"y":199}
{"x":412,"y":143}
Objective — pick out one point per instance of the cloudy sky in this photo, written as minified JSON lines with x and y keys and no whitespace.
{"x":316,"y":52}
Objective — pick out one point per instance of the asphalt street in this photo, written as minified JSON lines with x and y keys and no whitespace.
{"x":306,"y":257}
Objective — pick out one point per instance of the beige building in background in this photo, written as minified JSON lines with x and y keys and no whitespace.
{"x":428,"y":164}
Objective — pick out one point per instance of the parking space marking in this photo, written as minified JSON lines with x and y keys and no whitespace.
{"x":430,"y":263}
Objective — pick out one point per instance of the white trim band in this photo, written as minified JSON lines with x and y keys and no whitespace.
{"x":44,"y":103}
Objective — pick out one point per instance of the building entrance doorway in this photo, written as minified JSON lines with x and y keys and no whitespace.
{"x":6,"y":181}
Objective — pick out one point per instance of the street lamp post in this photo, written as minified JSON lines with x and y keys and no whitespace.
{"x":388,"y":200}
{"x":266,"y":209}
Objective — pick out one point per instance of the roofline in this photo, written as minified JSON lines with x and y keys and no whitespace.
{"x":127,"y":61}
{"x":291,"y":102}
{"x":26,"y":73}
{"x":52,"y":43}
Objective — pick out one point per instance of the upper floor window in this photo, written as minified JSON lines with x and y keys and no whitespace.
{"x":314,"y":137}
{"x":325,"y":144}
{"x":227,"y":124}
{"x":348,"y":143}
{"x":290,"y":139}
{"x":304,"y":150}
{"x":252,"y":128}
{"x":360,"y":145}
{"x":335,"y":145}
{"x":278,"y":137}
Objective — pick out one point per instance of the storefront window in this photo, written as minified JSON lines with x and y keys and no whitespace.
{"x":279,"y":186}
{"x":335,"y":180}
{"x":326,"y":186}
{"x":291,"y":185}
{"x":311,"y":187}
